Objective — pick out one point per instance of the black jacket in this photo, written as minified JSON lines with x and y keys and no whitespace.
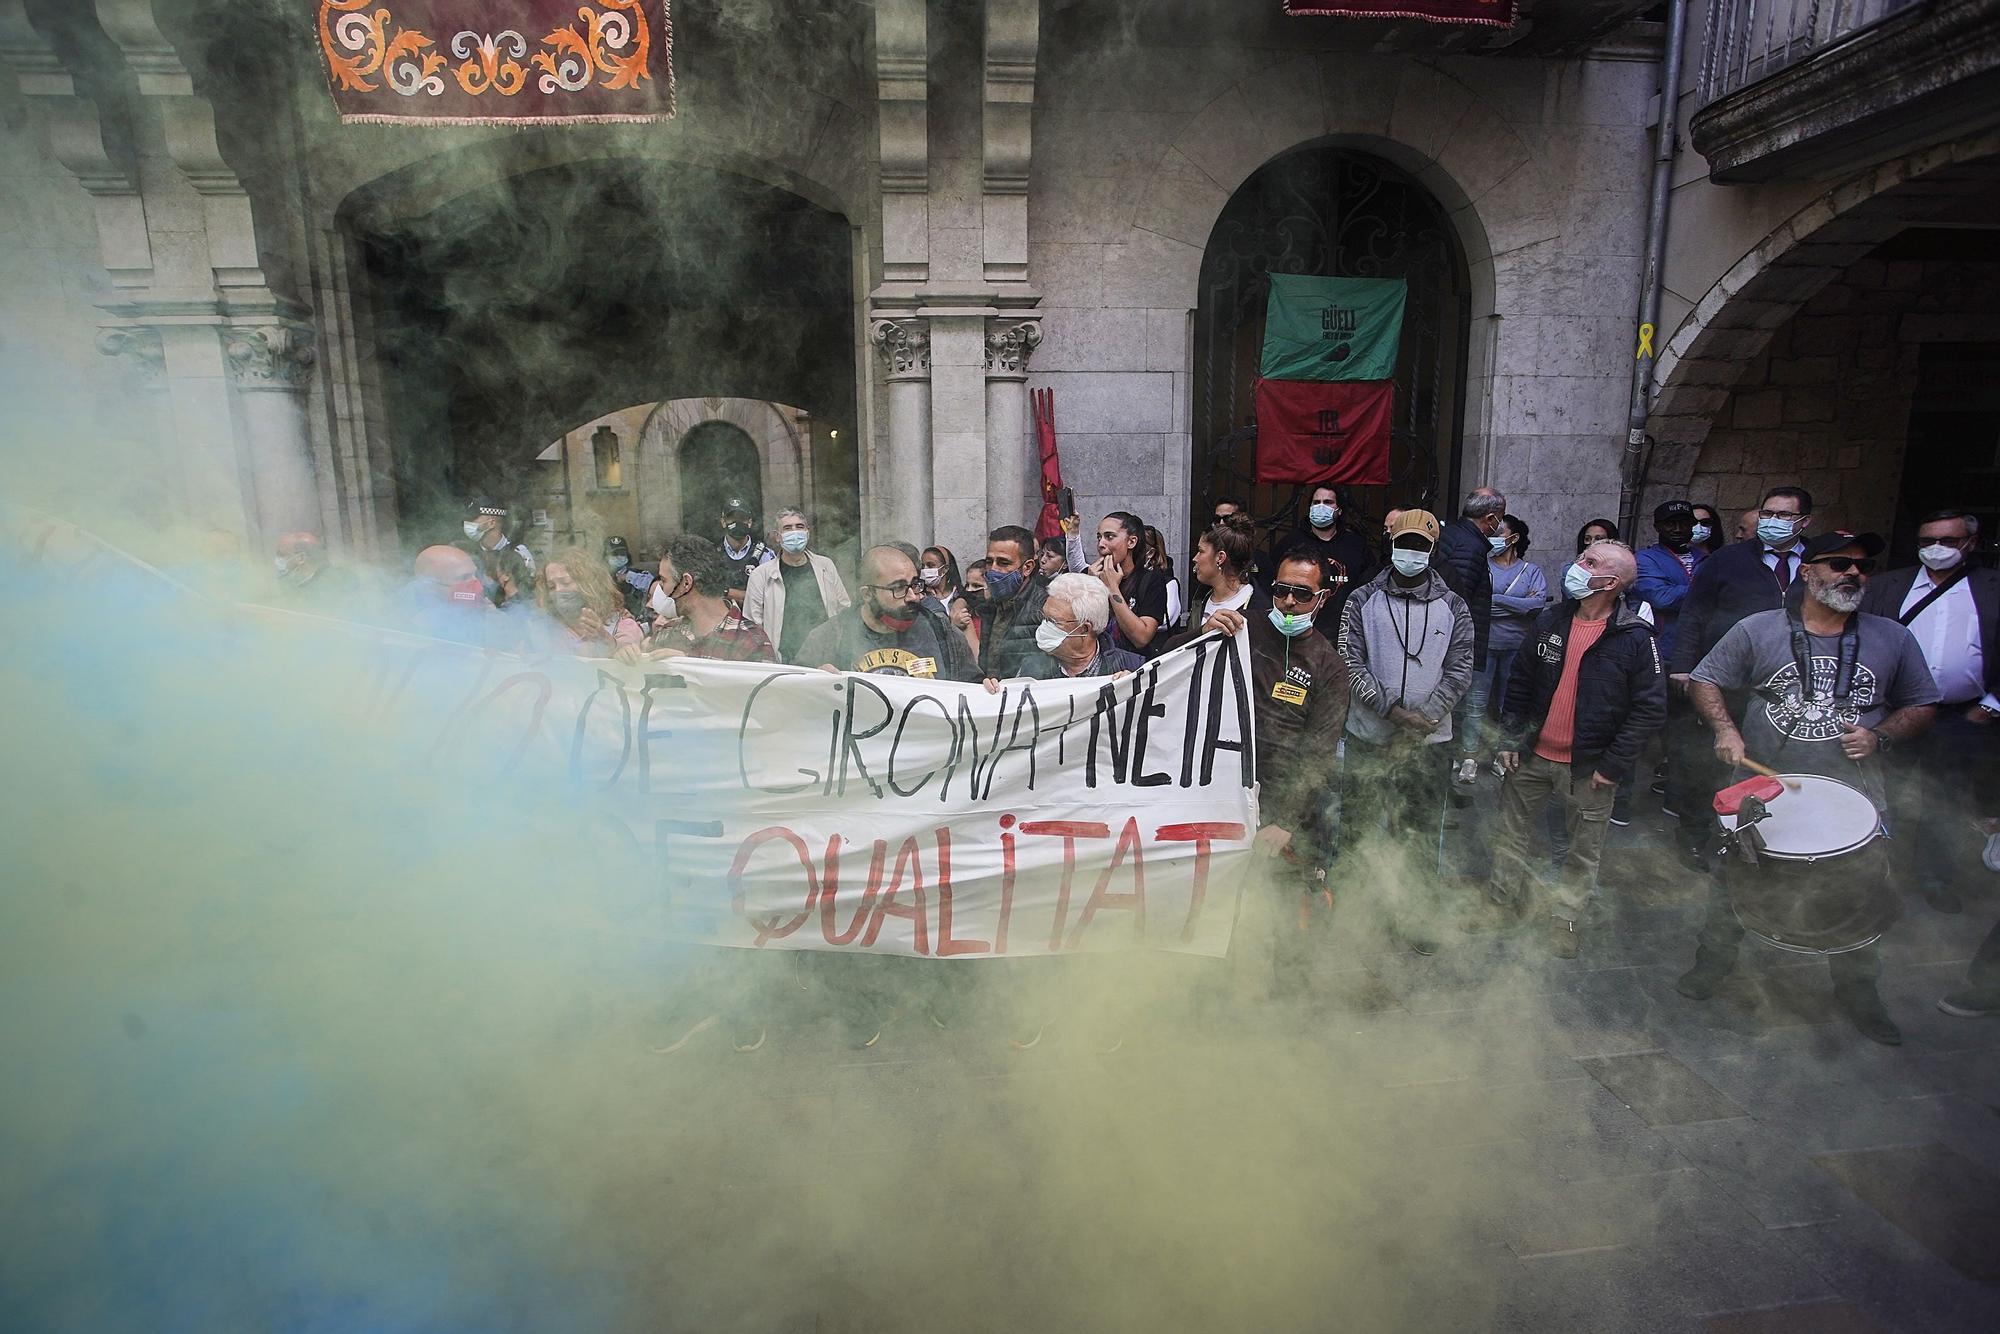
{"x":1007,"y":631}
{"x":1297,"y":730}
{"x":1885,"y":598}
{"x":1463,"y":549}
{"x":1728,"y":586}
{"x":1621,"y":691}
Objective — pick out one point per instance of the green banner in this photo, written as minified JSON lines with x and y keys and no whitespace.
{"x":1332,"y":328}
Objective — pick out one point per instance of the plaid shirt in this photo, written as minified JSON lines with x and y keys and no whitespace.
{"x":732,"y":640}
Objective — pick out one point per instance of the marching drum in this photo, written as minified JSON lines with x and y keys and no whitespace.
{"x":1809,"y":871}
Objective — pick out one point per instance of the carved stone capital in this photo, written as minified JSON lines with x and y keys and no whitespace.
{"x":905,"y":346}
{"x":1010,"y":344}
{"x":143,"y":355}
{"x":275,"y":356}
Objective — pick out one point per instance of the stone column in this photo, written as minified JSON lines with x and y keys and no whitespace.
{"x":268,"y":366}
{"x":905,"y":345}
{"x":1012,"y":461}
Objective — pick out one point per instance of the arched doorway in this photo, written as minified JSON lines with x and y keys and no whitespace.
{"x":1333,"y":212}
{"x":503,"y":313}
{"x":719,"y":463}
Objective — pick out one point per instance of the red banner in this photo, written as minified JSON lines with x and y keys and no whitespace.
{"x":1324,"y":431}
{"x":497,"y":62}
{"x":1044,"y":403}
{"x":1489,"y":13}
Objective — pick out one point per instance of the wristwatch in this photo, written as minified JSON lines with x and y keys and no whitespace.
{"x":1882,"y":742}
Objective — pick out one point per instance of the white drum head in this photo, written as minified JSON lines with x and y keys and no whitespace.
{"x":1823,"y":817}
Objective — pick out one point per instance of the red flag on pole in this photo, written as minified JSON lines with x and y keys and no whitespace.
{"x":1043,"y":403}
{"x":1324,"y":431}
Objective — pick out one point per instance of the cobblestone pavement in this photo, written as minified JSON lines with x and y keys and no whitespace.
{"x":1490,"y":1138}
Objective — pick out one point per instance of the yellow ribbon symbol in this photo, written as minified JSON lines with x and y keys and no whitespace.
{"x":1645,"y":342}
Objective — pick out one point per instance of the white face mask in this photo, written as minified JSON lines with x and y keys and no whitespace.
{"x":1939,"y":556}
{"x":1408,"y":563}
{"x":660,"y":601}
{"x":929,"y":575}
{"x":472,"y":529}
{"x":1049,"y":636}
{"x":1701,"y":532}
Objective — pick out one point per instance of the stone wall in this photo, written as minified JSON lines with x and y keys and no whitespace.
{"x":1540,"y":164}
{"x":62,"y":402}
{"x":1827,"y":404}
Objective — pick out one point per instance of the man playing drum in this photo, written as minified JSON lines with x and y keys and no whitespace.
{"x":1829,"y":688}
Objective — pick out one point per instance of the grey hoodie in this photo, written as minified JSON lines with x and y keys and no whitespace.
{"x":1407,"y":646}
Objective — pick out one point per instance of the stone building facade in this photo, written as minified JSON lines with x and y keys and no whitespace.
{"x":895,"y":219}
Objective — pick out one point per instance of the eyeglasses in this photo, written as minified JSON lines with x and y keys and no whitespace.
{"x":1780,"y":514}
{"x":900,"y":589}
{"x":1842,"y":564}
{"x":1292,"y":593}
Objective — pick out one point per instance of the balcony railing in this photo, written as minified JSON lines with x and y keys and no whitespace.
{"x":1747,"y":40}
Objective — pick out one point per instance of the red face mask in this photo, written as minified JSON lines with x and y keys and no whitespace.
{"x":466,"y":590}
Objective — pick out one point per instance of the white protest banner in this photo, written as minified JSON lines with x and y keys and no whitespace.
{"x":790,"y":808}
{"x":889,"y":814}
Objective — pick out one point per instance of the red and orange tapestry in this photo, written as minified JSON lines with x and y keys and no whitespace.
{"x":1491,"y":13}
{"x":497,"y":62}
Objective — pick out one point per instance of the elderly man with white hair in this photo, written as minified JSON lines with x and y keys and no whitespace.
{"x":1071,"y":635}
{"x":1587,"y":691}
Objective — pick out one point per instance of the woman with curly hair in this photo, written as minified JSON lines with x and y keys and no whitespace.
{"x":575,"y":589}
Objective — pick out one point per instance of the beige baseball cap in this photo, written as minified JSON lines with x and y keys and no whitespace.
{"x":1421,"y":522}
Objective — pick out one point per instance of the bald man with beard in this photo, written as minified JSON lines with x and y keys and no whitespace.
{"x":1586,"y":693}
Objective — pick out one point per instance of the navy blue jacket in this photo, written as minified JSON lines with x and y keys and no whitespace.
{"x":1462,"y":549}
{"x":1621,"y":690}
{"x":1728,"y":586}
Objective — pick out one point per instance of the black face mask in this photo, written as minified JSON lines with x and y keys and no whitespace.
{"x":738,"y":530}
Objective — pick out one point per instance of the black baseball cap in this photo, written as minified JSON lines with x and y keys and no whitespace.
{"x":485,"y":505}
{"x":615,"y":546}
{"x":1871,"y":544}
{"x":735,"y":505}
{"x":1668,"y":510}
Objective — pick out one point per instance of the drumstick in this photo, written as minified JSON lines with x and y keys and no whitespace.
{"x":1768,"y":772}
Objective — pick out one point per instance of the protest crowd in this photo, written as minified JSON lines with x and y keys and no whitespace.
{"x":1397,"y":666}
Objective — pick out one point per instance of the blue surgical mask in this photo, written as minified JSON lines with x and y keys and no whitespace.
{"x":1777,"y":533}
{"x":472,"y":529}
{"x":1701,"y":532}
{"x":1499,"y":542}
{"x":1409,"y":563}
{"x":1576,"y":582}
{"x":617,"y":564}
{"x":1291,"y":627}
{"x":795,"y":540}
{"x":1003,"y":584}
{"x":1322,"y":516}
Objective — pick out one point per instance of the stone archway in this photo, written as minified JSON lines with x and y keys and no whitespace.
{"x":780,"y":435}
{"x":1450,"y":134}
{"x":1333,"y":212}
{"x":504,"y":313}
{"x":1731,"y":328}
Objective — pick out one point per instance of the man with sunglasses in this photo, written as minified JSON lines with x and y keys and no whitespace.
{"x":1828,"y":689}
{"x":889,"y":629}
{"x":1299,"y":686}
{"x":1741,"y":579}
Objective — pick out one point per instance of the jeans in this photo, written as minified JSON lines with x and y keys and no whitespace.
{"x":1586,"y":812}
{"x":1488,"y":687}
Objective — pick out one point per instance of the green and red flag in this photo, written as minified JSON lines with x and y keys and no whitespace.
{"x":1326,"y":393}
